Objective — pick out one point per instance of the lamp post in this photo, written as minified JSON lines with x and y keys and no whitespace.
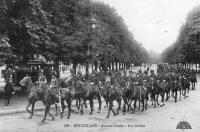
{"x":93,"y":23}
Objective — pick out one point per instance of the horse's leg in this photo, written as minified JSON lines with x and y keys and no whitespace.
{"x":100,"y":103}
{"x":50,"y":113}
{"x":109,"y":109}
{"x":91,"y":106}
{"x":139,"y":104}
{"x":29,"y":104}
{"x":33,"y":104}
{"x":77,"y":104}
{"x":147,"y":98}
{"x":135,"y":101}
{"x":119,"y":104}
{"x":152,"y":99}
{"x":185,"y":93}
{"x":124,"y":107}
{"x":113,"y":109}
{"x":83,"y":102}
{"x":46,"y":112}
{"x":56,"y":106}
{"x":130,"y":104}
{"x":163,"y":99}
{"x":69,"y":108}
{"x":62,"y":107}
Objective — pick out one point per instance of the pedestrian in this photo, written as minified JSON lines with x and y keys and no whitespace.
{"x":8,"y":91}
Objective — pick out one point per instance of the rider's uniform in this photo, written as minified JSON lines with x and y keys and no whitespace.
{"x":42,"y":80}
{"x":54,"y":85}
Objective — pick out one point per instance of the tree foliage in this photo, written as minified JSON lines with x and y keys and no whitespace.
{"x":186,"y":48}
{"x":61,"y":30}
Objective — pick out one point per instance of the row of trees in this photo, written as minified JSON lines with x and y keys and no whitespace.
{"x":60,"y":30}
{"x":186,"y":49}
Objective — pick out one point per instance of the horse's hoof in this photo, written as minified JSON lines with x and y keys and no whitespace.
{"x":107,"y":116}
{"x":68,"y":117}
{"x":53,"y":119}
{"x":142,"y":110}
{"x":154,"y":106}
{"x":90,"y":113}
{"x":42,"y":121}
{"x":114,"y":114}
{"x":98,"y":111}
{"x":30,"y":117}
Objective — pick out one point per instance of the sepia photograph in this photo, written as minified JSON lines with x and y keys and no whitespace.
{"x":99,"y":65}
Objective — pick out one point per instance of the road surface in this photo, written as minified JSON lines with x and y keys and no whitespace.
{"x":153,"y":120}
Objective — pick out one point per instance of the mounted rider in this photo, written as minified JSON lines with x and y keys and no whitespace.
{"x":54,"y":84}
{"x":41,"y":79}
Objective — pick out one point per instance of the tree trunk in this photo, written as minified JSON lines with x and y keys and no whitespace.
{"x":113,"y":64}
{"x":74,"y":66}
{"x":96,"y":65}
{"x":56,"y":67}
{"x":87,"y":71}
{"x":116,"y":66}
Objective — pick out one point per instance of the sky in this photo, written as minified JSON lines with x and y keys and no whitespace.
{"x":154,"y":23}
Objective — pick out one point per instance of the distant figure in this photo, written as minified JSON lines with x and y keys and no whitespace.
{"x":9,"y":90}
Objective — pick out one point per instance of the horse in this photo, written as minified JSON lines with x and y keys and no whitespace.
{"x":175,"y":87}
{"x":84,"y":92}
{"x":185,"y":83}
{"x":37,"y":94}
{"x":113,"y":93}
{"x":52,"y":96}
{"x":154,"y":92}
{"x":193,"y":80}
{"x":126,"y":95}
{"x":140,"y":94}
{"x":162,"y":88}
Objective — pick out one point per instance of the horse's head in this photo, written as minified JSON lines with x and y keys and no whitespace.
{"x":26,"y":81}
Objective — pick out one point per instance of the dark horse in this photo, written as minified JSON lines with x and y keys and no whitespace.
{"x":86,"y":91}
{"x":140,"y":94}
{"x":51,"y":96}
{"x":175,"y":87}
{"x":154,"y":92}
{"x":185,"y":83}
{"x":113,"y":92}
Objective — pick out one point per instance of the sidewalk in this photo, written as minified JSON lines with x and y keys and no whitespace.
{"x":17,"y":105}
